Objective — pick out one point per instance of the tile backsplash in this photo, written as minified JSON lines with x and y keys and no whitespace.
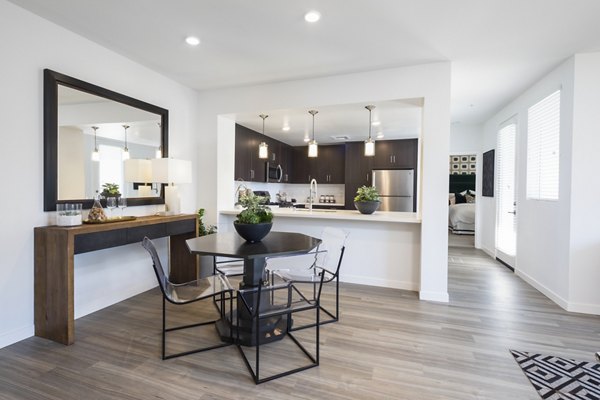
{"x":296,"y":191}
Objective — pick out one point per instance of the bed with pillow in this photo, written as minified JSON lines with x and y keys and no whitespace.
{"x":461,"y":200}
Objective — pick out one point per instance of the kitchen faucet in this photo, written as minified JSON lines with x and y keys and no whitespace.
{"x":313,"y":193}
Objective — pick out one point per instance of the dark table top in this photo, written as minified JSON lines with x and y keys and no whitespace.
{"x":230,"y":244}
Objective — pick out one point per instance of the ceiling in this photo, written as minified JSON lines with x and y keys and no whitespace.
{"x":399,"y":119}
{"x":498,"y":48}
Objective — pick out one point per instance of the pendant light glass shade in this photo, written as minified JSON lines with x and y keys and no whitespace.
{"x":125,"y":149}
{"x":369,"y":143}
{"x":263,"y":148}
{"x":369,"y":147}
{"x":313,"y":146}
{"x":95,"y":153}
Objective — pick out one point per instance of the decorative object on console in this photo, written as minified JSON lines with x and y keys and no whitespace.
{"x":171,"y":171}
{"x":125,"y":149}
{"x":370,"y":143}
{"x":263,"y":147}
{"x":313,"y":146}
{"x":255,"y":221}
{"x":367,"y":199}
{"x":95,"y":153}
{"x":68,"y":214}
{"x":96,"y":213}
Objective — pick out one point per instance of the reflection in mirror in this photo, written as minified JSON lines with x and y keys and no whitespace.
{"x":85,"y":143}
{"x":89,"y":123}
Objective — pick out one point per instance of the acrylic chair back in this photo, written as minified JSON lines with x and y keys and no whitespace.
{"x":333,"y":242}
{"x":163,"y":281}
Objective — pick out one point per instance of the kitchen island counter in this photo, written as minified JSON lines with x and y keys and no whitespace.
{"x":383,"y":249}
{"x":348,"y":215}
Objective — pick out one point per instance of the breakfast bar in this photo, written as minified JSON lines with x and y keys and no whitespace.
{"x":383,"y":249}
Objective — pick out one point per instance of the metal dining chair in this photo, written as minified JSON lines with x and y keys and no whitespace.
{"x":253,"y":302}
{"x":212,"y":287}
{"x":323,"y":264}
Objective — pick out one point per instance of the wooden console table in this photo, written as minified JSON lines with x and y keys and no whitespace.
{"x":54,"y":250}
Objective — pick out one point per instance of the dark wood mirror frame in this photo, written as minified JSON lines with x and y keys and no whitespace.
{"x":51,"y":81}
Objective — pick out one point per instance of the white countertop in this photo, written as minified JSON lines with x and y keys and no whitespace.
{"x":349,"y":215}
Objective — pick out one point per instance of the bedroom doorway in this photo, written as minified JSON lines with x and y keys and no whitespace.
{"x":506,"y":202}
{"x":461,"y":200}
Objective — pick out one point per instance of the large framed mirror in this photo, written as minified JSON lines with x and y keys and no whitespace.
{"x":93,"y":137}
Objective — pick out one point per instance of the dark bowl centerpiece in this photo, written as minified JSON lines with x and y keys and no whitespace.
{"x":367,"y":200}
{"x":255,"y":220}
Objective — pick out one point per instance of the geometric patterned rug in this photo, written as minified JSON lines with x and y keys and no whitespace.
{"x":557,"y":378}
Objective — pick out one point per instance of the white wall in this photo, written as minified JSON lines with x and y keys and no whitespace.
{"x":430,"y":81}
{"x":542,"y":226}
{"x":465,"y":139}
{"x":29,"y":45}
{"x":584,"y":258}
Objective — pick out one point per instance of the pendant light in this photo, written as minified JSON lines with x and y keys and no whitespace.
{"x":313,"y":146}
{"x":158,"y":153}
{"x":95,"y":153}
{"x":125,"y":149}
{"x":263,"y":148}
{"x":369,"y":143}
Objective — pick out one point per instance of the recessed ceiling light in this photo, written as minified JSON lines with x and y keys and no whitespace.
{"x":380,"y":135}
{"x":312,"y":16}
{"x":285,"y":128}
{"x":192,"y":40}
{"x":376,"y":123}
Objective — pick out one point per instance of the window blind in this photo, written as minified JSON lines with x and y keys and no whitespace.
{"x":543,"y":144}
{"x":506,"y":221}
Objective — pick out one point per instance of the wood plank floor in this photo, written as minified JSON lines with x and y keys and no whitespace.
{"x":388,"y":345}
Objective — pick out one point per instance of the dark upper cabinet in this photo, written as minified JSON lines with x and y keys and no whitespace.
{"x":247,"y":164}
{"x":300,"y":167}
{"x":390,"y":154}
{"x":327,"y":167}
{"x":243,"y":159}
{"x":331,"y":164}
{"x":285,"y":160}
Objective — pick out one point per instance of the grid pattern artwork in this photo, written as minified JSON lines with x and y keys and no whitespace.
{"x":463,"y":164}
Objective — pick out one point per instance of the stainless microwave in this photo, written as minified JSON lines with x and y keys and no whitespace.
{"x":274,"y":173}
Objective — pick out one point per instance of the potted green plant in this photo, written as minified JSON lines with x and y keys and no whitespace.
{"x":110,"y":190}
{"x":254,"y":222}
{"x":367,"y":199}
{"x":203,"y":229}
{"x":205,"y":262}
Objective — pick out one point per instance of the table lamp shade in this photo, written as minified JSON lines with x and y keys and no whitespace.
{"x":171,"y":170}
{"x":137,"y":170}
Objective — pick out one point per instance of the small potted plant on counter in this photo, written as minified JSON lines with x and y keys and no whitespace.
{"x":255,"y":220}
{"x":367,"y":200}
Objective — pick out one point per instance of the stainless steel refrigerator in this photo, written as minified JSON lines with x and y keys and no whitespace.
{"x":396,"y":188}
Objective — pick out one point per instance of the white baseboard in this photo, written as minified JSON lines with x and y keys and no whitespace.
{"x":362,"y":280}
{"x":16,"y":335}
{"x":584,"y":308}
{"x":489,"y":252}
{"x":546,"y":291}
{"x":440,"y":297}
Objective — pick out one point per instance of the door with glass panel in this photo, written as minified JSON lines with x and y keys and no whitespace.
{"x":506,"y":201}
